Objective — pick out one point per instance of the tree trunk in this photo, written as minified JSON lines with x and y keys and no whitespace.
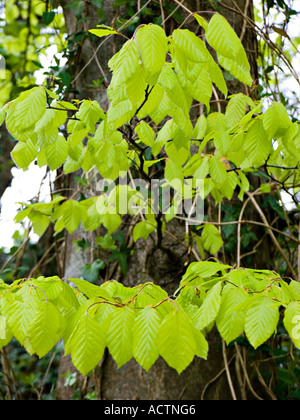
{"x":161,"y":382}
{"x":6,"y":146}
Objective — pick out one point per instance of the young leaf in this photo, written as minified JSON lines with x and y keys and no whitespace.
{"x":22,"y":312}
{"x":208,"y":312}
{"x":87,"y":344}
{"x":257,"y":145}
{"x":145,"y":329}
{"x":276,"y":120}
{"x":73,"y":214}
{"x":232,"y":56}
{"x":25,"y":111}
{"x":45,"y":330}
{"x":292,"y":322}
{"x":236,"y":109}
{"x":57,"y":153}
{"x":103,"y":31}
{"x":90,"y":290}
{"x":24,"y":154}
{"x":211,"y":239}
{"x":261,"y":320}
{"x":119,"y":335}
{"x":192,"y":47}
{"x":176,"y":341}
{"x":153,"y":46}
{"x":145,"y":133}
{"x":217,"y":171}
{"x":230,"y":323}
{"x":2,"y":327}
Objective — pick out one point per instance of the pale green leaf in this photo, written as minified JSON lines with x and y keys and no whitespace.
{"x":87,"y":344}
{"x":217,"y":171}
{"x":142,"y":230}
{"x":153,"y":46}
{"x":145,"y":133}
{"x":208,"y":312}
{"x":73,"y":214}
{"x":236,"y":109}
{"x":192,"y":47}
{"x":261,"y":320}
{"x":2,"y":327}
{"x":103,"y":32}
{"x":236,"y":69}
{"x":24,"y":154}
{"x":25,"y":111}
{"x":176,"y":341}
{"x":230,"y":323}
{"x":57,"y":153}
{"x":45,"y":330}
{"x":202,"y":22}
{"x":211,"y":239}
{"x":89,"y":289}
{"x":145,"y":330}
{"x":257,"y":145}
{"x":119,"y":335}
{"x":276,"y":120}
{"x":292,"y":322}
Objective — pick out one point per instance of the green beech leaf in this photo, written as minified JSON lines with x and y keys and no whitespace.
{"x":211,"y":239}
{"x":261,"y":320}
{"x":208,"y":312}
{"x":177,"y":341}
{"x":87,"y":344}
{"x":145,"y":329}
{"x":46,"y":330}
{"x":153,"y":46}
{"x":119,"y":335}
{"x":25,"y":111}
{"x":103,"y":31}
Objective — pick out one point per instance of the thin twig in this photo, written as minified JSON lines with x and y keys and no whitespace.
{"x":215,"y":378}
{"x":228,"y":374}
{"x":276,"y":243}
{"x":239,"y":357}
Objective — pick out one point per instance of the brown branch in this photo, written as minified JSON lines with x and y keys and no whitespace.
{"x":228,"y":374}
{"x":276,"y":243}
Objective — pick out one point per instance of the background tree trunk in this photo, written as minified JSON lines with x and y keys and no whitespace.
{"x":6,"y":146}
{"x":161,"y":382}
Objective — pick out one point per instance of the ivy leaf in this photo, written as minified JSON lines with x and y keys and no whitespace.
{"x":48,"y":17}
{"x":142,"y":230}
{"x":90,"y":272}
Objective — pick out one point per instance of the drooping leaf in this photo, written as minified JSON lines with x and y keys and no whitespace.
{"x":261,"y":320}
{"x":145,"y":329}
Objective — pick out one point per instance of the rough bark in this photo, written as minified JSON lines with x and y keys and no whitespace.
{"x":161,"y":382}
{"x":6,"y":146}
